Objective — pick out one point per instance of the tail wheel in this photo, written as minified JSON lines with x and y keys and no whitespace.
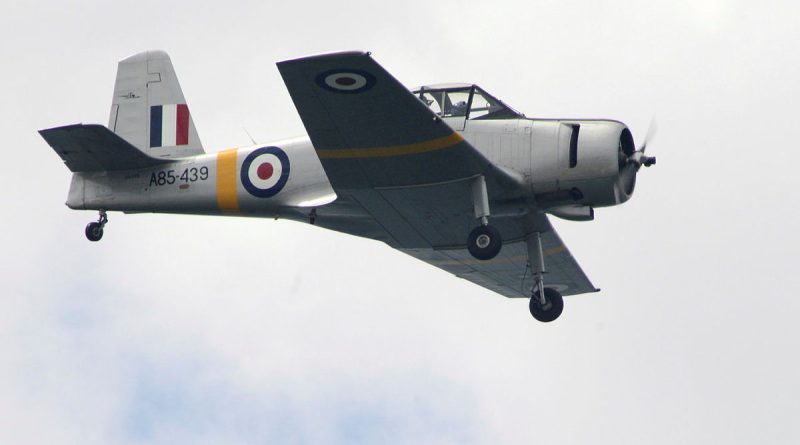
{"x":94,"y":231}
{"x":552,"y":307}
{"x":484,"y":242}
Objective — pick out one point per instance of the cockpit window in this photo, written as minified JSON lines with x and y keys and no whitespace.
{"x":482,"y":106}
{"x":468,"y":101}
{"x":446,"y":103}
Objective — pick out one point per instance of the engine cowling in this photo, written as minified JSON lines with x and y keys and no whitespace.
{"x":583,"y":163}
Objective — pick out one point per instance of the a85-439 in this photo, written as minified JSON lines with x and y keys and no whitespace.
{"x":167,"y":177}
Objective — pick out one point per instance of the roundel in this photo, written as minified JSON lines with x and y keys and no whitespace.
{"x":265,"y":171}
{"x":346,"y":81}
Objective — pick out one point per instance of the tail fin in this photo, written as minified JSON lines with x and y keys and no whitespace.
{"x":149,"y":110}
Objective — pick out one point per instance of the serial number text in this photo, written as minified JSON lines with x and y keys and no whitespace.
{"x":167,"y":177}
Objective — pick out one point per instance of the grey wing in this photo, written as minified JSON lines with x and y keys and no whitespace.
{"x":508,"y":273}
{"x":375,"y":133}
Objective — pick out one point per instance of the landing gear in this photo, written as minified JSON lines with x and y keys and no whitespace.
{"x":547,"y":307}
{"x":484,"y":242}
{"x":94,"y":230}
{"x":546,"y":303}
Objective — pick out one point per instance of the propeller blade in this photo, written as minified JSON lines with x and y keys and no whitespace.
{"x":627,"y":178}
{"x":651,"y":133}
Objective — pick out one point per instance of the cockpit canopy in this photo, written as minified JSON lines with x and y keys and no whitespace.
{"x":464,"y":100}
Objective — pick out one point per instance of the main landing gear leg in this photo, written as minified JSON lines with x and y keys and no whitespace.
{"x":546,"y":303}
{"x":484,"y":242}
{"x":94,"y":230}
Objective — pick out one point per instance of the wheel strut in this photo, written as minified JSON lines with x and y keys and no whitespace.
{"x":536,"y":261}
{"x":102,"y":218}
{"x":546,"y":303}
{"x":484,"y":242}
{"x":480,"y":200}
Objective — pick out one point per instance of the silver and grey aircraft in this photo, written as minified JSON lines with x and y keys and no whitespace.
{"x":448,"y":174}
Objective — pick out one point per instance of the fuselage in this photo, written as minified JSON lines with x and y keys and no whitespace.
{"x":258,"y":181}
{"x":209,"y":184}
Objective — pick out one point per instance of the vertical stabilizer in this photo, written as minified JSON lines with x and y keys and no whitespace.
{"x":149,"y":110}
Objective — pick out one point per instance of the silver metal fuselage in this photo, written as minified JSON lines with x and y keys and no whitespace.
{"x":542,"y":152}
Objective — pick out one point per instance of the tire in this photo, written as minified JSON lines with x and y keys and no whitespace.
{"x":484,"y":242}
{"x":554,"y":305}
{"x":94,"y":231}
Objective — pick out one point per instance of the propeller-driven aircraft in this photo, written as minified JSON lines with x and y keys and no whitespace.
{"x":448,"y":174}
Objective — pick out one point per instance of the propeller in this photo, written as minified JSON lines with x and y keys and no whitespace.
{"x":641,"y":159}
{"x":630,"y":163}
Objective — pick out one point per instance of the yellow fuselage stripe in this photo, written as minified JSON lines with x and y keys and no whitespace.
{"x":395,"y":150}
{"x":227,"y":200}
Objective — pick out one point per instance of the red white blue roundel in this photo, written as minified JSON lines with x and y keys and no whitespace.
{"x":265,"y":172}
{"x":346,"y":81}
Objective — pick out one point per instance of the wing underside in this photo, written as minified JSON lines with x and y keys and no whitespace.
{"x":508,"y":274}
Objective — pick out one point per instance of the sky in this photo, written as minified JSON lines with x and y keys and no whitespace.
{"x":211,"y":330}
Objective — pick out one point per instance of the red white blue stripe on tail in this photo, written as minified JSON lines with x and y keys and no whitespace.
{"x":169,"y":125}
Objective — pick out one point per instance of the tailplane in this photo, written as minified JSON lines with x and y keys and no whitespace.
{"x":94,"y":148}
{"x":148,"y":109}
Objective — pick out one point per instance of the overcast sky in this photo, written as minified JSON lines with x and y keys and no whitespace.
{"x":210,"y":330}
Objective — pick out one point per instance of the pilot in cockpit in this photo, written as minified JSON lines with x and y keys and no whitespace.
{"x":459,"y":108}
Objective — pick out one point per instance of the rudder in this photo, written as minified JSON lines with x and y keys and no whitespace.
{"x":149,"y":110}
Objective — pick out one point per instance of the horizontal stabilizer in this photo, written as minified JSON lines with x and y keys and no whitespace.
{"x":86,"y":148}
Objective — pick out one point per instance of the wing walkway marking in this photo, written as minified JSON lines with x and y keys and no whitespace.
{"x":227,"y":201}
{"x":394,"y":150}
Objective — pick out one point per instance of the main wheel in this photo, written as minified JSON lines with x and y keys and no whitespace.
{"x":552,"y":307}
{"x":484,"y":242}
{"x":94,"y":231}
